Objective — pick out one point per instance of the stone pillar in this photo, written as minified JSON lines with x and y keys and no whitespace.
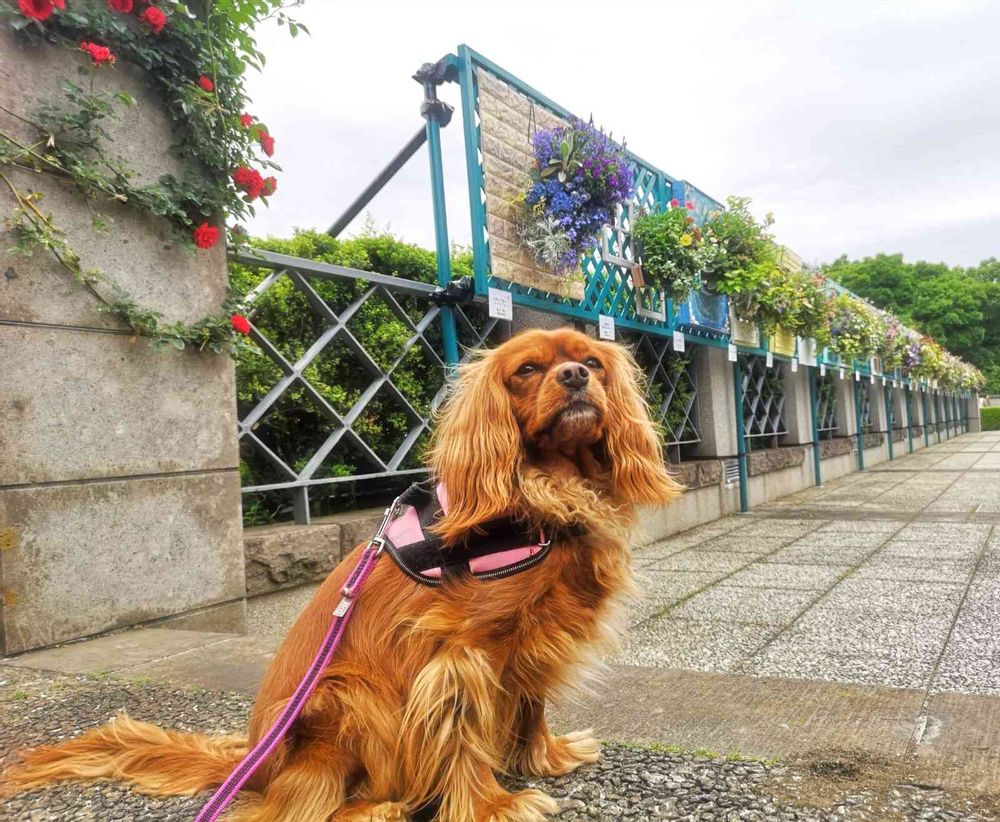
{"x":879,"y":417}
{"x":119,"y":489}
{"x":847,"y":421}
{"x":713,"y":375}
{"x":972,"y":411}
{"x":798,"y":408}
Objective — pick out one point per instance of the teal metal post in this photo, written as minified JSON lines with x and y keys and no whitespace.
{"x":814,"y":407}
{"x":435,"y":111}
{"x":927,"y":433}
{"x":908,"y":400}
{"x":741,"y":441}
{"x":857,"y":418}
{"x":887,"y":401}
{"x":937,"y":416}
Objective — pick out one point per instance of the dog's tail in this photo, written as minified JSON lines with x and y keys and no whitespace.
{"x":154,"y":760}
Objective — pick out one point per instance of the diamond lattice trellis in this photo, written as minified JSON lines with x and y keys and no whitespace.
{"x":866,"y":407}
{"x":671,"y":390}
{"x":763,"y":402}
{"x":398,"y":378}
{"x":826,"y":394}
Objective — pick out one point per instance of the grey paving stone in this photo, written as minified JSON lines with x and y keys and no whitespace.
{"x":695,"y":559}
{"x":888,"y":566}
{"x":740,"y":543}
{"x":699,"y":646}
{"x":866,"y":597}
{"x":659,"y":589}
{"x":882,"y":633}
{"x":861,"y":526}
{"x":859,"y":539}
{"x":787,"y":575}
{"x":819,"y":555}
{"x":935,"y":531}
{"x":744,"y":605}
{"x":938,"y":549}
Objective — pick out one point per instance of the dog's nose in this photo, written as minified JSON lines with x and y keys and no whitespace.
{"x":573,"y":375}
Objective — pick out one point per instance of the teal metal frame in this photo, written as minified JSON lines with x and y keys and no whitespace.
{"x":741,"y":440}
{"x":857,"y":418}
{"x":814,"y":409}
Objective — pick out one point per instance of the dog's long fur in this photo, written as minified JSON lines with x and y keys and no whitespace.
{"x":435,"y":691}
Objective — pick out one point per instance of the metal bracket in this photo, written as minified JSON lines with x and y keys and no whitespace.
{"x":430,"y":76}
{"x":458,"y":292}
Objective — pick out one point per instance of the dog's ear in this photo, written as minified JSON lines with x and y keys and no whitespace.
{"x":634,"y":449}
{"x":477,"y":449}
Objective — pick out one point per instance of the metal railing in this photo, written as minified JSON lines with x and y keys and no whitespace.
{"x":371,"y":378}
{"x":763,"y":401}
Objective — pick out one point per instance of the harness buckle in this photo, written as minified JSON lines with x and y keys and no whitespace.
{"x":343,"y":606}
{"x":380,"y":542}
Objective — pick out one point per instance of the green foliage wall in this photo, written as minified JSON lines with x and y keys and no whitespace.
{"x":959,"y":307}
{"x":990,"y":417}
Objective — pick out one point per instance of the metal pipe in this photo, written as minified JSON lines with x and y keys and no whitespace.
{"x":857,"y":418}
{"x":814,"y":407}
{"x":887,"y":402}
{"x":741,"y":443}
{"x":908,"y":399}
{"x":927,"y":433}
{"x":438,"y":113}
{"x":376,"y":185}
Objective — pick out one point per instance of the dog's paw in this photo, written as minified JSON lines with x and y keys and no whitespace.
{"x":372,"y":812}
{"x":523,"y":806}
{"x":573,"y":750}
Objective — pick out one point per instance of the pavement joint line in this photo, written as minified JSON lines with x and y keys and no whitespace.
{"x":721,"y":580}
{"x":5,"y":662}
{"x":771,"y":639}
{"x":923,"y":717}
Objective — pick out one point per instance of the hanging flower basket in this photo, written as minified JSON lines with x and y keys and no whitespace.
{"x":743,"y":332}
{"x":782,"y":342}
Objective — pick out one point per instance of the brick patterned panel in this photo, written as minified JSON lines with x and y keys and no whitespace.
{"x":507,"y":121}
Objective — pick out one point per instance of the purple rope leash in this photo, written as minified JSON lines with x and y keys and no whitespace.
{"x":227,"y":791}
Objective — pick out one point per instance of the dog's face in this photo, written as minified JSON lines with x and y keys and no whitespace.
{"x":551,"y":400}
{"x":557,"y":382}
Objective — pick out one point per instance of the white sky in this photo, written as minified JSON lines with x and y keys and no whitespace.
{"x":864,"y":126}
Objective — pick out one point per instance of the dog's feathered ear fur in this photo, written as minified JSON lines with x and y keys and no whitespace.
{"x":633,"y":447}
{"x":477,"y":449}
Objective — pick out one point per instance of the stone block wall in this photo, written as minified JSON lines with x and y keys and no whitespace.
{"x":119,"y":491}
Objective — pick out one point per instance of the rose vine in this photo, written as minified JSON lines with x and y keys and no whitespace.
{"x":197,"y":59}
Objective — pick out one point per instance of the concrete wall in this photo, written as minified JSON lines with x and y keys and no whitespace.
{"x":119,"y":494}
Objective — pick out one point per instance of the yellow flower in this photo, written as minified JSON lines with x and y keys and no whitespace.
{"x":686,"y":239}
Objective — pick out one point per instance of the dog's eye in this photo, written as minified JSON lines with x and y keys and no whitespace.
{"x":526,"y":370}
{"x":592,"y":362}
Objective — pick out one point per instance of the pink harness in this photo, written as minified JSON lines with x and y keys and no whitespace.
{"x":402,"y":536}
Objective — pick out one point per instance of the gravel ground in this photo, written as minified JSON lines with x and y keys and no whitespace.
{"x":629,"y":782}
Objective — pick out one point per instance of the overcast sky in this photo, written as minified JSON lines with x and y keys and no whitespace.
{"x":863,"y":126}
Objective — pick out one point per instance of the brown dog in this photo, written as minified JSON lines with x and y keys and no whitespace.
{"x":436,"y":690}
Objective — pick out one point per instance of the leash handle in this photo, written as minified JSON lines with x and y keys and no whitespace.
{"x":226,"y":792}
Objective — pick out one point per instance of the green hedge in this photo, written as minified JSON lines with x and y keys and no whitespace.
{"x":297,"y":426}
{"x":990,"y":417}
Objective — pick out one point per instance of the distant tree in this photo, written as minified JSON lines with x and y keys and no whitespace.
{"x":959,"y":307}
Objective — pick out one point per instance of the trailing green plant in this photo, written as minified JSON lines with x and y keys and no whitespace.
{"x":670,"y":249}
{"x":741,"y":252}
{"x":197,"y":60}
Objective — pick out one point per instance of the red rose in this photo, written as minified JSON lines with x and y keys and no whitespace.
{"x":270,"y":186}
{"x":674,"y":203}
{"x":246,"y":120}
{"x":154,"y":18}
{"x":123,"y":6}
{"x":240,"y":324}
{"x":99,"y":54}
{"x":689,"y":205}
{"x":206,"y":83}
{"x":267,"y":143}
{"x":250,"y":181}
{"x":205,"y":235}
{"x":40,"y":9}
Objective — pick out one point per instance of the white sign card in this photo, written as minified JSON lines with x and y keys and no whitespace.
{"x":769,"y":360}
{"x":501,"y":304}
{"x":795,"y":364}
{"x":732,"y":353}
{"x":822,"y":370}
{"x":842,"y":373}
{"x":871,"y":379}
{"x":606,"y":327}
{"x":678,"y":341}
{"x":857,"y":376}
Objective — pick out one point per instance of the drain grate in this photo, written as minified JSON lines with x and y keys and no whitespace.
{"x":732,"y":471}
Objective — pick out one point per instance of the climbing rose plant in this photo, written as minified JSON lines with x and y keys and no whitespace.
{"x":198,"y":62}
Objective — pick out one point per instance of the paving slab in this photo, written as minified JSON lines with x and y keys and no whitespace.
{"x":117,"y":652}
